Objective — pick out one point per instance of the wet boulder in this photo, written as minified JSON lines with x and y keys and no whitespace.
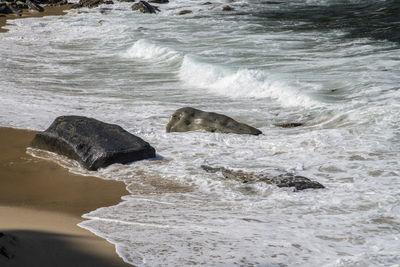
{"x":12,"y":7}
{"x":93,"y":143}
{"x":283,"y":180}
{"x":145,"y":7}
{"x":5,"y":9}
{"x":191,"y":119}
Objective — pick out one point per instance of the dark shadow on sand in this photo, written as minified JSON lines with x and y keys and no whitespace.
{"x":35,"y":248}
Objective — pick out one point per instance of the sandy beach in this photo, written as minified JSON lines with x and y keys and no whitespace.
{"x":40,"y":206}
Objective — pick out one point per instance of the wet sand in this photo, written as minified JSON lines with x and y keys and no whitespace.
{"x":40,"y":206}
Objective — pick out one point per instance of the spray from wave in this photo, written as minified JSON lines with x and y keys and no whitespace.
{"x":147,"y":50}
{"x":220,"y":80}
{"x":241,"y":83}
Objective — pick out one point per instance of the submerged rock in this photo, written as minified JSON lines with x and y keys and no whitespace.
{"x":289,"y":125}
{"x":93,"y":143}
{"x":296,"y":181}
{"x":271,"y":3}
{"x":185,"y":11}
{"x":191,"y":119}
{"x":212,"y":169}
{"x":227,"y":8}
{"x":145,"y":7}
{"x":283,"y":180}
{"x":159,"y":1}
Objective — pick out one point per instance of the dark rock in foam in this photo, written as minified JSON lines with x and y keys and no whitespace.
{"x":191,"y":119}
{"x":283,"y":180}
{"x":145,"y":7}
{"x":185,"y":11}
{"x":93,"y":143}
{"x":159,"y":1}
{"x":289,"y":125}
{"x":227,"y":8}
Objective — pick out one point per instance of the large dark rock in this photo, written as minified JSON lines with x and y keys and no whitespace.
{"x":93,"y":143}
{"x":145,"y":7}
{"x":12,"y":8}
{"x":283,"y":180}
{"x":191,"y":119}
{"x":17,"y":6}
{"x":5,"y":9}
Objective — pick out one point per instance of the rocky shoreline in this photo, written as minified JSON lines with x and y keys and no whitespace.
{"x":95,"y":144}
{"x":48,"y":10}
{"x":11,"y":9}
{"x":17,"y":7}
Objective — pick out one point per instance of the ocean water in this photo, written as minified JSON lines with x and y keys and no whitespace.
{"x":333,"y":65}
